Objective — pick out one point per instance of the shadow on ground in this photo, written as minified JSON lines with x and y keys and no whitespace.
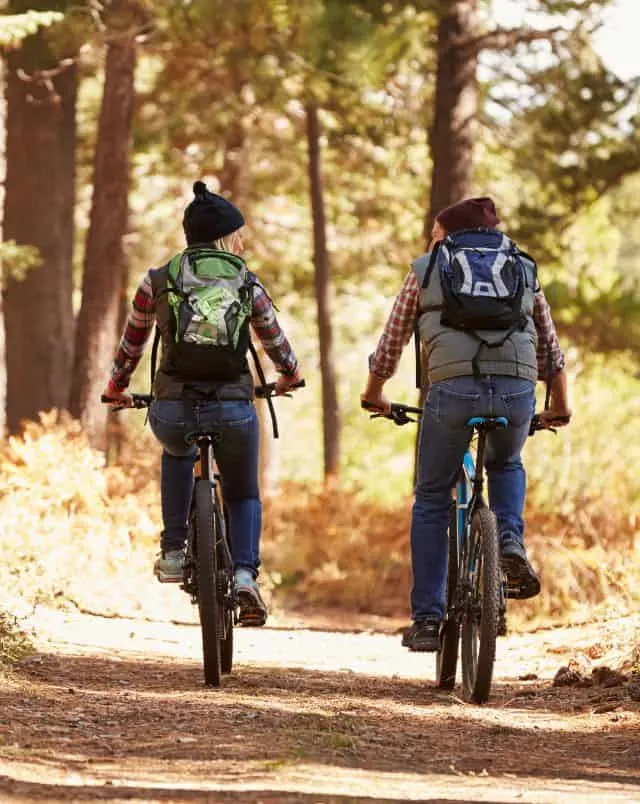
{"x":101,"y":708}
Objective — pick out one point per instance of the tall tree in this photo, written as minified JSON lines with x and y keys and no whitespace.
{"x":330,"y":410}
{"x":13,"y":29}
{"x":105,"y":264}
{"x":38,"y":211}
{"x":453,"y":126}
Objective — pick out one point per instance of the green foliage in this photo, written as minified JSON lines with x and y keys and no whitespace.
{"x":17,"y":260}
{"x":15,"y":27}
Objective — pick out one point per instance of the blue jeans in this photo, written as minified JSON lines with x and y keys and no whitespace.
{"x":444,"y":438}
{"x":236,"y":453}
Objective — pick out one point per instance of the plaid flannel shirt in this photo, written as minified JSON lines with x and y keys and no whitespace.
{"x":399,"y":329}
{"x":142,"y":318}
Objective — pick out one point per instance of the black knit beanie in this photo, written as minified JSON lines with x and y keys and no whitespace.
{"x":209,"y":216}
{"x":472,"y":213}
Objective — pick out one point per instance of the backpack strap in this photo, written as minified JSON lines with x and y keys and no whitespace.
{"x":263,"y":380}
{"x":492,"y":344}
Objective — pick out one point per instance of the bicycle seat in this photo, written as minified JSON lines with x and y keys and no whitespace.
{"x":204,"y":435}
{"x":488,"y":422}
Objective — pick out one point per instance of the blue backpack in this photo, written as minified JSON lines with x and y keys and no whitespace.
{"x":482,"y":277}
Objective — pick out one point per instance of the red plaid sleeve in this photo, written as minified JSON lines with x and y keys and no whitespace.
{"x":397,"y":331}
{"x":136,"y":334}
{"x":266,"y":326}
{"x":547,"y":336}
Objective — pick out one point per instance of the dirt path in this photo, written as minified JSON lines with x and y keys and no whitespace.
{"x":115,"y":710}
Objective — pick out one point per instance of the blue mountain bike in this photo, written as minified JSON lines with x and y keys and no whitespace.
{"x":477,"y":591}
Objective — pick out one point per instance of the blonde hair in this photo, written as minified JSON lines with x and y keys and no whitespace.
{"x":228,"y":242}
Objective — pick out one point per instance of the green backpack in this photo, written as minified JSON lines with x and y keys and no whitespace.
{"x":210,"y":298}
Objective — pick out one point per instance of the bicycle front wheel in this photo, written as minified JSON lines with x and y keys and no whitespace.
{"x":206,"y":569}
{"x":447,"y":656}
{"x":482,"y":606}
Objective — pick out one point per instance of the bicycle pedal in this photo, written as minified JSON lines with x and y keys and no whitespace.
{"x":512,"y":591}
{"x":252,"y":617}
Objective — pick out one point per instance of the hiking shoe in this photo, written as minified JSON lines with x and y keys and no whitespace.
{"x":522,"y":581}
{"x":169,"y":567}
{"x":423,"y":635}
{"x":253,"y":611}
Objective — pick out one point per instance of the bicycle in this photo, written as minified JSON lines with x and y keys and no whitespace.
{"x":208,"y":566}
{"x":476,"y":590}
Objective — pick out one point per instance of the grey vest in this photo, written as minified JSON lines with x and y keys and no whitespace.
{"x":168,"y":383}
{"x":450,"y":351}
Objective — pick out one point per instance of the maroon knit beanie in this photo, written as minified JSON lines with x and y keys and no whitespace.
{"x":472,"y":213}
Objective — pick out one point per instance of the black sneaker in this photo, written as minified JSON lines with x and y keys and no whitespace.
{"x":423,"y":635}
{"x":522,"y":581}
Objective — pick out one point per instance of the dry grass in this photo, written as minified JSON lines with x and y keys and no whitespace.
{"x":14,"y":640}
{"x":75,"y":530}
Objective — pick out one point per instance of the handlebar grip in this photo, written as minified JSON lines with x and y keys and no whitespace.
{"x":267,"y":390}
{"x":368,"y":406}
{"x":137,"y":401}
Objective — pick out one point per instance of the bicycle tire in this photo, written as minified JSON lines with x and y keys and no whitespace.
{"x":206,"y":569}
{"x":482,"y":608}
{"x":225,"y":590}
{"x":447,"y":656}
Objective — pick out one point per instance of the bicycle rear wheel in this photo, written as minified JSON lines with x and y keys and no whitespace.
{"x":206,"y":569}
{"x":482,"y":607}
{"x":447,"y":656}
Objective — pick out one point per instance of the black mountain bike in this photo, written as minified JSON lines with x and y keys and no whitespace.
{"x":477,"y":591}
{"x":208,"y":567}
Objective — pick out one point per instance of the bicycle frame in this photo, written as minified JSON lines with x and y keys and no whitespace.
{"x":205,"y":469}
{"x":470,"y":482}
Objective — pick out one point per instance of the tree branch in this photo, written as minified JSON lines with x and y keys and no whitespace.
{"x":507,"y":38}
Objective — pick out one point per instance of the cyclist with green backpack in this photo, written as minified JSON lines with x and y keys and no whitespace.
{"x":204,"y":302}
{"x":485,"y":327}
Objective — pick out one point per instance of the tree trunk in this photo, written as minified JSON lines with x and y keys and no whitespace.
{"x":235,"y":183}
{"x":3,"y":173}
{"x":330,"y":411}
{"x":452,"y":133}
{"x":38,"y":211}
{"x":105,"y":265}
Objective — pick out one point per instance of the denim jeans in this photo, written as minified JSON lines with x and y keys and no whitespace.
{"x":236,"y":453}
{"x":444,"y":438}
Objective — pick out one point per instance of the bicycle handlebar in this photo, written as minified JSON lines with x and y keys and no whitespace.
{"x":537,"y":424}
{"x":401,"y":414}
{"x":139,"y":401}
{"x":269,"y":388}
{"x":398,"y":413}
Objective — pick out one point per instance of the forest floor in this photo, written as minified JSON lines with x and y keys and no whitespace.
{"x":318,"y":709}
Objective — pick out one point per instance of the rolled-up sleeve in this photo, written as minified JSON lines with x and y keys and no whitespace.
{"x":135,"y":336}
{"x":398,"y":330}
{"x":266,"y":326}
{"x":548,"y":345}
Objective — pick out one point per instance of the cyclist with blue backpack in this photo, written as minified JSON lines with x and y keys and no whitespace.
{"x":203,"y":303}
{"x":486,"y":330}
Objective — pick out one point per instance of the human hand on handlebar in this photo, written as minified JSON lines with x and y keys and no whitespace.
{"x":554,"y":418}
{"x":117,"y":399}
{"x":287,"y":382}
{"x":372,"y":397}
{"x":375,"y":402}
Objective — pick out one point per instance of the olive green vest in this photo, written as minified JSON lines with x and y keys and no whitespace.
{"x":450,"y":352}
